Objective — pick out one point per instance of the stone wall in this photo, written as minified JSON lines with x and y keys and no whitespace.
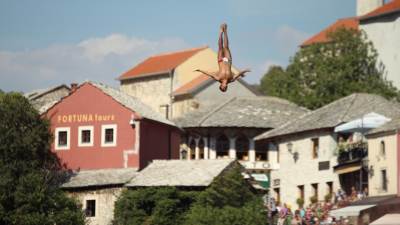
{"x":153,"y":91}
{"x":105,"y":199}
{"x":380,"y":160}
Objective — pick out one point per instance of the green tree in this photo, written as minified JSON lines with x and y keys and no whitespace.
{"x":30,"y":172}
{"x":321,"y":73}
{"x":228,"y":200}
{"x":156,"y":206}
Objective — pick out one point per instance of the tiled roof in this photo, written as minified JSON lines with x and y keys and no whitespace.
{"x":340,"y":111}
{"x":393,"y":6}
{"x":102,"y":177}
{"x":322,"y":37}
{"x":180,"y":173}
{"x":254,"y":112}
{"x":192,"y":85}
{"x":40,"y":92}
{"x":43,"y":99}
{"x":159,"y":64}
{"x":132,"y":103}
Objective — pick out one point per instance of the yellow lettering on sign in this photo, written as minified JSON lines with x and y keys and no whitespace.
{"x":73,"y":118}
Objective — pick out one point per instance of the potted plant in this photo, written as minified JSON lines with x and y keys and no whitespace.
{"x":300,"y":202}
{"x":313,"y":199}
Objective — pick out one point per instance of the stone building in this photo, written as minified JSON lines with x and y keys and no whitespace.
{"x":169,"y":85}
{"x":384,"y":159}
{"x":227,"y":130}
{"x":306,"y":148}
{"x":97,"y":190}
{"x":98,"y":127}
{"x":45,"y":98}
{"x":380,"y":20}
{"x":192,"y":175}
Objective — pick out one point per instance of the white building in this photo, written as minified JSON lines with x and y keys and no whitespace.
{"x":382,"y":27}
{"x":306,"y":149}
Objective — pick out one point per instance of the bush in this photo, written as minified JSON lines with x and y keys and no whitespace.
{"x":313,"y":199}
{"x":164,"y":205}
{"x":300,"y":202}
{"x":328,"y":197}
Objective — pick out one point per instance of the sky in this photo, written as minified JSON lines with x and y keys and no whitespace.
{"x":49,"y":42}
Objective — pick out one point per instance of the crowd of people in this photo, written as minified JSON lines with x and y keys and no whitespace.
{"x":316,"y":213}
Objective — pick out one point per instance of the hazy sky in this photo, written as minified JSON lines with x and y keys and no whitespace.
{"x":49,"y":42}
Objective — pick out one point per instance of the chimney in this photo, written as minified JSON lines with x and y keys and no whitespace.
{"x":366,"y":6}
{"x":74,"y":86}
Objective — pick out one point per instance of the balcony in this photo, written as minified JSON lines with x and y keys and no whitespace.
{"x":351,"y":152}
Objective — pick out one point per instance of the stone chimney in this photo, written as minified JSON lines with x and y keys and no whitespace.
{"x":366,"y":6}
{"x":74,"y":86}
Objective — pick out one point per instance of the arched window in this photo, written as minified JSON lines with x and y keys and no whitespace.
{"x":383,"y":148}
{"x":222,"y":147}
{"x":192,"y":148}
{"x":261,"y":151}
{"x":201,"y":148}
{"x":242,"y":147}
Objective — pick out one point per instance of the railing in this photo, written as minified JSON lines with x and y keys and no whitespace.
{"x":352,"y":152}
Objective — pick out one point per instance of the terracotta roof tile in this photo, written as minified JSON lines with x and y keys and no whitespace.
{"x":191,"y":85}
{"x":322,"y":37}
{"x":390,"y":7}
{"x":160,"y":63}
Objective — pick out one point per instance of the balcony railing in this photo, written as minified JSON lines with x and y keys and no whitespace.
{"x":349,"y":152}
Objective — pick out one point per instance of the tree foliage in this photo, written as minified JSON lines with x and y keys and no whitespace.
{"x":227,"y":201}
{"x":321,"y":73}
{"x":30,"y":172}
{"x":156,"y":206}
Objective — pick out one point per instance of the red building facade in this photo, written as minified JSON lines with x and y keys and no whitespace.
{"x":98,"y":127}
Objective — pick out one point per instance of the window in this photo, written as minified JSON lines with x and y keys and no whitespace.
{"x":277,"y":195}
{"x":329,"y":186}
{"x":383,"y":148}
{"x":85,"y":137}
{"x":90,"y":210}
{"x":315,"y":190}
{"x":192,"y":147}
{"x":109,"y":135}
{"x":62,"y":138}
{"x":222,"y":147}
{"x":242,"y":148}
{"x":301,"y":191}
{"x":384,"y":180}
{"x":201,"y":149}
{"x":315,"y":147}
{"x":183,"y":154}
{"x":261,"y":152}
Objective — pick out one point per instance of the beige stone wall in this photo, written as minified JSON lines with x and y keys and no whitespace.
{"x":366,"y":6}
{"x":154,"y":90}
{"x":305,"y":171}
{"x":384,"y":33}
{"x":380,"y":161}
{"x":205,"y":60}
{"x":105,"y":199}
{"x":183,"y":106}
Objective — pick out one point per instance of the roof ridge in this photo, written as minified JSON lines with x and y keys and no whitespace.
{"x":351,"y":104}
{"x":180,"y":51}
{"x":215,"y":110}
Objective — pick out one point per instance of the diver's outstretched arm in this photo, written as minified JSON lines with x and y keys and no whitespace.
{"x":213,"y":75}
{"x":240,"y":74}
